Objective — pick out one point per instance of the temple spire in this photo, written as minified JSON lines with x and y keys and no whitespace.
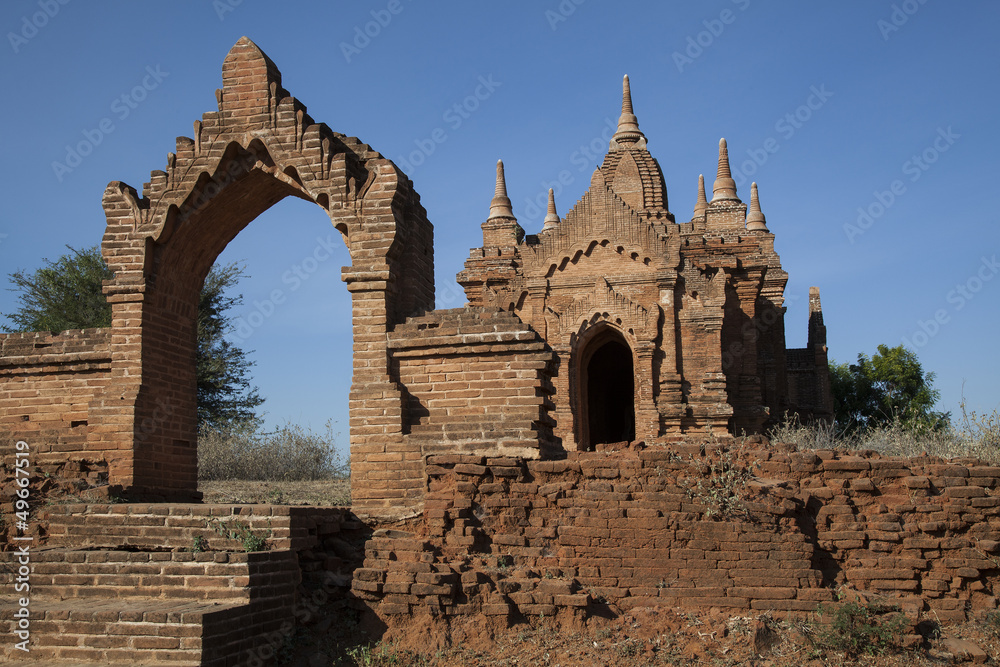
{"x":551,"y":217}
{"x":702,"y":204}
{"x":755,"y":218}
{"x":725,"y":186}
{"x":628,"y":125}
{"x":500,"y":205}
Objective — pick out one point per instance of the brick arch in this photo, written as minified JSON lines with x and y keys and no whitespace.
{"x":258,"y":148}
{"x":593,"y":336}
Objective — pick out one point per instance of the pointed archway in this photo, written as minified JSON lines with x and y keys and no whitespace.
{"x":607,"y":390}
{"x":258,"y":148}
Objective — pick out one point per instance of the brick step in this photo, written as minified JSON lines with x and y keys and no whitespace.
{"x":178,"y":526}
{"x":134,"y":630}
{"x":72,"y":573}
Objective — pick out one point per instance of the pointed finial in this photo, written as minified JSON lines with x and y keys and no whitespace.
{"x":628,"y":125}
{"x":702,"y":204}
{"x":551,"y":217}
{"x":500,"y":205}
{"x":755,"y":218}
{"x":725,"y":186}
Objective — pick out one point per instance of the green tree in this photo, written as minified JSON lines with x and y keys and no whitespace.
{"x":64,"y":294}
{"x":67,"y":294}
{"x":224,"y":391}
{"x":891,"y":385}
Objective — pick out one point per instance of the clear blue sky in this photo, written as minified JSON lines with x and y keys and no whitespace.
{"x":903,"y":97}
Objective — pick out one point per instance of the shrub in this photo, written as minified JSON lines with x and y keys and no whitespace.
{"x":975,"y":435}
{"x":856,"y":628}
{"x":234,"y":529}
{"x":720,"y":482}
{"x":241,"y":450}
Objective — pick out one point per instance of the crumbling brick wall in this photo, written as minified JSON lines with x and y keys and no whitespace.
{"x":692,"y":527}
{"x":475,"y":380}
{"x":48,"y":383}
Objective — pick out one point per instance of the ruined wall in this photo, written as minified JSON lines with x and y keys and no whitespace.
{"x":687,"y":528}
{"x":47,"y":384}
{"x":475,"y":380}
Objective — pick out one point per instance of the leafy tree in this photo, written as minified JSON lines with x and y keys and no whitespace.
{"x":224,"y":391}
{"x":889,"y":386}
{"x":64,"y":294}
{"x":67,"y":294}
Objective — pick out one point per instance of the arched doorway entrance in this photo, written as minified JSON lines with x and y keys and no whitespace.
{"x":259,"y":148}
{"x":607,"y":393}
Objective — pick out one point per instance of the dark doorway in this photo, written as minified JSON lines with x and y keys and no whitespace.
{"x":610,"y":394}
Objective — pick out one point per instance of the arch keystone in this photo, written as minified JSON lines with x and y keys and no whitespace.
{"x":249,"y":81}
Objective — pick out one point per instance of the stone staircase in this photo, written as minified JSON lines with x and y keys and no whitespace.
{"x":162,"y":584}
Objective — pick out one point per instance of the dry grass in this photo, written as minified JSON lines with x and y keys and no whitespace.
{"x":327,"y":492}
{"x":974,"y":435}
{"x":289,"y":466}
{"x":244,"y":451}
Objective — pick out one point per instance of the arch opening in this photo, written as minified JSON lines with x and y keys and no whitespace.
{"x":608,"y":395}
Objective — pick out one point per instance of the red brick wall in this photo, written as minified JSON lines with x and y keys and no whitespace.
{"x":475,"y":380}
{"x":48,"y":383}
{"x":506,"y":536}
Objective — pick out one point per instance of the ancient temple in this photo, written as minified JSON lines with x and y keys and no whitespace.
{"x":658,"y":327}
{"x":613,"y":324}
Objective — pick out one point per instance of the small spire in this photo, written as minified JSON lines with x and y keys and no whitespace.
{"x":755,"y":218}
{"x":628,"y":125}
{"x":702,"y":205}
{"x":551,"y":218}
{"x":500,"y":205}
{"x":725,"y":186}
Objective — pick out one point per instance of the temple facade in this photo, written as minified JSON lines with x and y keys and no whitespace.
{"x":658,"y":327}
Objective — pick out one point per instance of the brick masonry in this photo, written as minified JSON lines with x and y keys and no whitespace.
{"x":524,"y":495}
{"x":123,"y":584}
{"x":609,"y":531}
{"x":616,"y":322}
{"x":48,"y":385}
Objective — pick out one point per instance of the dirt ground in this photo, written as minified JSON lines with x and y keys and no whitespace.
{"x":325,"y":493}
{"x":339,"y":636}
{"x":641,"y":637}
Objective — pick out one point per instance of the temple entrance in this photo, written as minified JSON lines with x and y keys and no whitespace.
{"x":258,"y":148}
{"x":610,"y":391}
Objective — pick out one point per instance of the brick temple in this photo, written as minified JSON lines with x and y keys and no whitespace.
{"x":497,"y":472}
{"x":657,"y":328}
{"x":613,"y":324}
